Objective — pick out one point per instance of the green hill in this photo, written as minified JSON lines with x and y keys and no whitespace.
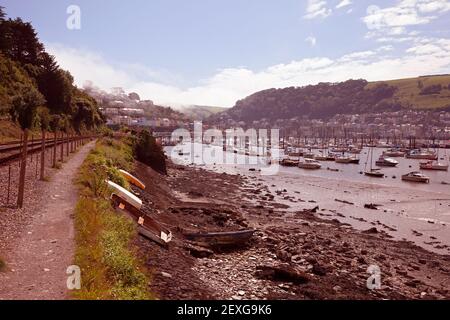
{"x":325,"y":100}
{"x":412,"y":92}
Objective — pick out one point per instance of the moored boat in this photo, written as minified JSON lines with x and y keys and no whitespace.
{"x":289,"y":162}
{"x":386,"y":162}
{"x":309,"y":164}
{"x":393,"y":153}
{"x":374,"y":173}
{"x":422,"y":155}
{"x":433,"y":165}
{"x":343,"y":159}
{"x":416,"y":176}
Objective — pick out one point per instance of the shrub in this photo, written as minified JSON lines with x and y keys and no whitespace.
{"x":149,"y":152}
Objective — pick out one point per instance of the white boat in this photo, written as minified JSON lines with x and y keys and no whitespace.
{"x":343,"y":159}
{"x":416,"y":176}
{"x":386,"y":162}
{"x":423,"y":155}
{"x":309,"y":155}
{"x":433,"y":165}
{"x":376,"y":173}
{"x":125,"y":194}
{"x":309,"y":164}
{"x":393,"y":153}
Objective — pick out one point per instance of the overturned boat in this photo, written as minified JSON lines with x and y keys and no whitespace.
{"x":126,"y":195}
{"x":132,"y":179}
{"x":147,"y":226}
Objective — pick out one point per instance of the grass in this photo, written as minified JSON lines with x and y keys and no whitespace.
{"x":10,"y":131}
{"x":408,"y":92}
{"x":110,"y":265}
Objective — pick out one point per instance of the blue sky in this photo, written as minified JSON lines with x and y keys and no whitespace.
{"x":215,"y":52}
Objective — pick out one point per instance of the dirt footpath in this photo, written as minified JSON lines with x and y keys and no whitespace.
{"x":38,"y":257}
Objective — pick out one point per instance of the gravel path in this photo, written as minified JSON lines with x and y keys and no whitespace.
{"x":38,"y":257}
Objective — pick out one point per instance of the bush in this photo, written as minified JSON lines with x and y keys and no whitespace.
{"x":433,"y":89}
{"x":149,"y":152}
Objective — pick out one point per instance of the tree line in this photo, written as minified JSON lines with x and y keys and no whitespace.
{"x":36,"y":93}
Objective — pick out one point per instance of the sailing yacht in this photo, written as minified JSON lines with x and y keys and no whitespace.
{"x":376,"y":173}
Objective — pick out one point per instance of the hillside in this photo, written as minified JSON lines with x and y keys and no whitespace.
{"x":325,"y":100}
{"x":412,"y":92}
{"x":195,"y":112}
{"x":35,"y":93}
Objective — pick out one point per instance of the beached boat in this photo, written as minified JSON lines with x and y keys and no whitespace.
{"x":230,"y":238}
{"x":148,"y":227}
{"x":125,"y":194}
{"x":132,"y":179}
{"x":422,"y":155}
{"x":433,"y":165}
{"x":416,"y":176}
{"x":309,"y":164}
{"x":386,"y":162}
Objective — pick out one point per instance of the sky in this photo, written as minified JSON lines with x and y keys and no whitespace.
{"x":215,"y":52}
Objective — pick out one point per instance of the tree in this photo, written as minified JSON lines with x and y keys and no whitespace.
{"x":23,"y":111}
{"x":44,"y":123}
{"x":20,"y":42}
{"x":2,"y":14}
{"x":56,"y":85}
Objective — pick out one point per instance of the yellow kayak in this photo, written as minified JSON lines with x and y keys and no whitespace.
{"x":132,"y":179}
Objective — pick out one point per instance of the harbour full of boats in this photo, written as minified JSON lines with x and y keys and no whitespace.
{"x":390,"y":160}
{"x":314,"y":159}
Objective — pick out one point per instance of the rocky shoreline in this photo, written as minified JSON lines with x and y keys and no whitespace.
{"x":293,"y":255}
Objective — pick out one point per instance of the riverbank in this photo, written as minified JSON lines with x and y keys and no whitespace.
{"x":294,"y":254}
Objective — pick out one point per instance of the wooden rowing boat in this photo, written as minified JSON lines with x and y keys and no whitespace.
{"x":230,"y":238}
{"x":148,"y":227}
{"x":125,"y":194}
{"x":132,"y":179}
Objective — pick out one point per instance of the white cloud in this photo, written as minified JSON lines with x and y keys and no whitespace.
{"x":360,"y":55}
{"x":395,"y":19}
{"x":317,"y":9}
{"x":425,"y":56}
{"x":311,"y":40}
{"x":343,"y":3}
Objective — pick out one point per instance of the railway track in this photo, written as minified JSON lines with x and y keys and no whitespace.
{"x":12,"y":151}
